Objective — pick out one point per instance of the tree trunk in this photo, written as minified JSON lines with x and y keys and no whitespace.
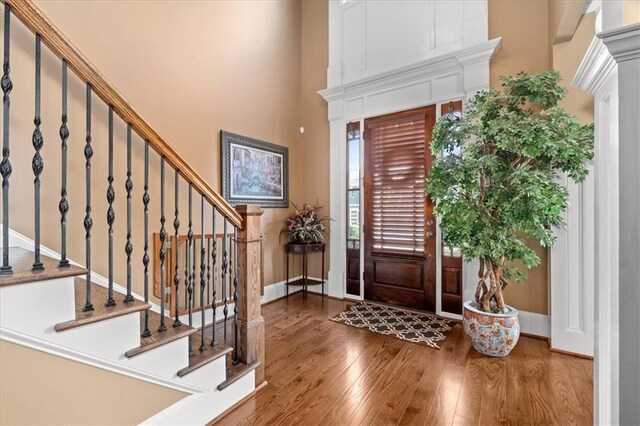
{"x":484,"y":295}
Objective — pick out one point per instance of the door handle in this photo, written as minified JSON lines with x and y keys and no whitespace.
{"x":430,"y":222}
{"x":430,"y":234}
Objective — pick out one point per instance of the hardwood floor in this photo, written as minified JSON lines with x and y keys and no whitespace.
{"x":321,"y":372}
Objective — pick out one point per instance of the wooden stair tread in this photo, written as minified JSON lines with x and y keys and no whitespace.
{"x":236,"y":372}
{"x":200,"y":359}
{"x":99,"y":296}
{"x":159,"y":338}
{"x":21,"y":262}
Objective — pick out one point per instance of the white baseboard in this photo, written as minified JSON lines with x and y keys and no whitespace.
{"x":535,"y":324}
{"x":278,"y":290}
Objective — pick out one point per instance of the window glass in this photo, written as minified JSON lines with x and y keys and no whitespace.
{"x":354,"y":160}
{"x":354,"y":215}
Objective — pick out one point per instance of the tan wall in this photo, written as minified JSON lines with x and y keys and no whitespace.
{"x":191,"y":69}
{"x":38,"y":388}
{"x":523,"y":26}
{"x":631,"y":12}
{"x":315,"y":141}
{"x":527,"y":28}
{"x":566,"y":59}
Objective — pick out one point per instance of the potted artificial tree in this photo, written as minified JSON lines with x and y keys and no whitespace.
{"x":495,"y":184}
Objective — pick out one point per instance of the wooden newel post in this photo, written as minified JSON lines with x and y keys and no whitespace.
{"x":250,"y":321}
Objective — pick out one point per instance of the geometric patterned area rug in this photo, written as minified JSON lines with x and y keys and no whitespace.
{"x":411,"y":326}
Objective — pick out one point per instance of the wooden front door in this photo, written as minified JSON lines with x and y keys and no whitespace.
{"x":399,"y":237}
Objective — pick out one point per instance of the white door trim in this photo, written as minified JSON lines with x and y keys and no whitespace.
{"x":457,"y":75}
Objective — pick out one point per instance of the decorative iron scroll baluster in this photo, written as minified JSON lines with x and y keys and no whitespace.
{"x":5,"y":165}
{"x":145,"y":258}
{"x":208,"y":290}
{"x":214,"y":255}
{"x":176,"y":275}
{"x":88,"y":221}
{"x":235,"y":296}
{"x":111,"y":215}
{"x":37,"y":164}
{"x":186,"y":274}
{"x":225,"y":264}
{"x":163,"y":236}
{"x":63,"y":207}
{"x":190,"y":262}
{"x":128,"y":247}
{"x":203,"y":272}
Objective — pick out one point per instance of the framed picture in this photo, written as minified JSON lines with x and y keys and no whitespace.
{"x":253,"y":171}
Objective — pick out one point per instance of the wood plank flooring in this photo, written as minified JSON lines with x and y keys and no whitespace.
{"x":321,"y":372}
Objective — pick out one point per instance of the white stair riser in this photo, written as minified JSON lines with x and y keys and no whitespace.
{"x":242,"y":387}
{"x":196,"y":320}
{"x":164,"y":361}
{"x":108,"y":339}
{"x":34,"y":308}
{"x":208,"y":376}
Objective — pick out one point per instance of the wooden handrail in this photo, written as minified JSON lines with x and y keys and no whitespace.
{"x":37,"y":22}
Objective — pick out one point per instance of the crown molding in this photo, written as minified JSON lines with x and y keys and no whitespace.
{"x":595,"y":67}
{"x":439,"y":65}
{"x":623,"y":43}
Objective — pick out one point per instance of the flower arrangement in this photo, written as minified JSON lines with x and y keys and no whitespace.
{"x":305,"y":225}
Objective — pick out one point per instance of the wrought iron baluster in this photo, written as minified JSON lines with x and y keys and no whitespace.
{"x":88,"y":221}
{"x":163,"y":236}
{"x":235,"y":296}
{"x":186,"y":274}
{"x":203,"y":272}
{"x":63,"y":206}
{"x":37,"y":164}
{"x":145,"y":258}
{"x":128,"y":247}
{"x":5,"y":165}
{"x":208,"y":291}
{"x":225,"y":264}
{"x":111,"y":215}
{"x":190,"y":262}
{"x":176,"y":275}
{"x":214,"y":255}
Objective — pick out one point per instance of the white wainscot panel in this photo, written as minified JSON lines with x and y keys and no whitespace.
{"x":398,"y":99}
{"x":397,"y":34}
{"x":476,"y":24}
{"x":382,"y":35}
{"x":448,"y":24}
{"x":353,"y":40}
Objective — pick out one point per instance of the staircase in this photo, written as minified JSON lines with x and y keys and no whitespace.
{"x":212,"y":345}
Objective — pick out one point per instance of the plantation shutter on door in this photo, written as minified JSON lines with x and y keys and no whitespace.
{"x":397,"y":170}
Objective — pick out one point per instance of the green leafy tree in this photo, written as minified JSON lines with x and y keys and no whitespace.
{"x":495,"y":180}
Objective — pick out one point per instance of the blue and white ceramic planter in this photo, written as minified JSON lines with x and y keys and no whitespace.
{"x":491,"y":334}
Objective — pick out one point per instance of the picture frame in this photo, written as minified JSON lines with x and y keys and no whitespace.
{"x":254,"y":171}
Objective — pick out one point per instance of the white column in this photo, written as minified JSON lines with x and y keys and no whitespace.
{"x":598,"y":75}
{"x":624,"y":45}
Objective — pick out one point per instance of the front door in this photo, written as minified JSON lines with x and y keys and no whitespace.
{"x":399,"y":237}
